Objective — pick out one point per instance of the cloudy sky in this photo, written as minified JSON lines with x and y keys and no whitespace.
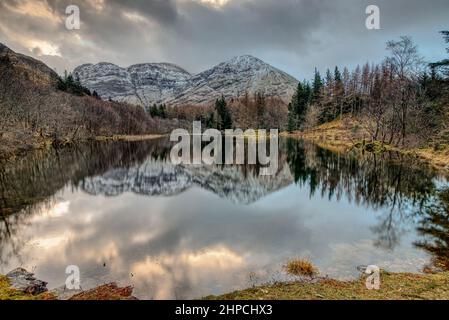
{"x":293,"y":35}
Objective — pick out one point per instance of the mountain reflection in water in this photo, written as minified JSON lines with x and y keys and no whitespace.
{"x":122,"y":212}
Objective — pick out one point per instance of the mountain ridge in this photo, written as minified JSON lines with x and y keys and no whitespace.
{"x":148,"y":83}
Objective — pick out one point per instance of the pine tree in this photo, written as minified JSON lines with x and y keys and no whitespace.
{"x":337,"y":74}
{"x":224,"y":120}
{"x":291,"y":125}
{"x":316,"y":87}
{"x":300,"y":103}
{"x":329,"y":78}
{"x":72,"y":85}
{"x":162,"y":111}
{"x":154,"y":110}
{"x":210,"y":121}
{"x":95,"y":95}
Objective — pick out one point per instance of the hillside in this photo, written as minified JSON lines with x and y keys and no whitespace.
{"x":35,"y":114}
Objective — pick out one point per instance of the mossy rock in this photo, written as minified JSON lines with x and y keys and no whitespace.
{"x":374,"y":147}
{"x":441,"y":147}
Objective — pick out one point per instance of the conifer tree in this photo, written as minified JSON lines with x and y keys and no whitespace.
{"x":224,"y":120}
{"x":316,"y":87}
{"x":291,"y":125}
{"x":299,"y":104}
{"x":162,"y":111}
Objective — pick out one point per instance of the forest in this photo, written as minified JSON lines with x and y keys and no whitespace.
{"x":402,"y":101}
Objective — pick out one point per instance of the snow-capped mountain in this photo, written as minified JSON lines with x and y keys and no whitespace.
{"x":141,"y":84}
{"x":157,"y":178}
{"x":145,"y":84}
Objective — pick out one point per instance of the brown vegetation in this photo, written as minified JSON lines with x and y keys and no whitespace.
{"x":257,"y":112}
{"x":394,"y":286}
{"x":400,"y":102}
{"x":106,"y":292}
{"x":35,"y":114}
{"x":301,"y":267}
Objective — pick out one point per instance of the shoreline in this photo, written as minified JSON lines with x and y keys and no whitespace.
{"x":130,"y":138}
{"x":334,"y":136}
{"x":47,"y":144}
{"x":393,"y":286}
{"x":23,"y":286}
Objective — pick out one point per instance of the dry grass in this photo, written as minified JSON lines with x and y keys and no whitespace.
{"x":301,"y":267}
{"x":339,"y":134}
{"x":394,"y":286}
{"x":342,"y":135}
{"x":106,"y":292}
{"x":439,"y":159}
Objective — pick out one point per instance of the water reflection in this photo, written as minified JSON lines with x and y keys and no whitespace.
{"x":122,"y":211}
{"x":434,"y":228}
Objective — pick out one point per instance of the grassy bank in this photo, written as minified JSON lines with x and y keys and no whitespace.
{"x":343,"y":135}
{"x":394,"y":286}
{"x":105,"y":292}
{"x":8,"y":293}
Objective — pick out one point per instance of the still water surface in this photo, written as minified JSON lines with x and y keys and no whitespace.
{"x":122,"y":212}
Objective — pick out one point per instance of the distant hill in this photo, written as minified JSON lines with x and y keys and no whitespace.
{"x":38,"y":72}
{"x":34,"y":113}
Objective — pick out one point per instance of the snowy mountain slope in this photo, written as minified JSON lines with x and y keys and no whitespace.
{"x":149,"y":83}
{"x":235,"y":78}
{"x":141,"y":84}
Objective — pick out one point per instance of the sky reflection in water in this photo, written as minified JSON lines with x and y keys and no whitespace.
{"x":182,"y":232}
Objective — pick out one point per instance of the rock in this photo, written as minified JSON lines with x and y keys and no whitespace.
{"x":362,"y":268}
{"x":62,"y":293}
{"x":25,"y":282}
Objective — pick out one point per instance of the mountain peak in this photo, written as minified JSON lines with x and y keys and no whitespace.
{"x":245,"y":60}
{"x":245,"y":57}
{"x":149,"y":83}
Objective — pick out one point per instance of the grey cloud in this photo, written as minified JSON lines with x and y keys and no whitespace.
{"x":294,"y":35}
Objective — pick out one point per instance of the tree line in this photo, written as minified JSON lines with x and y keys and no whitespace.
{"x":159,"y":111}
{"x":72,"y":84}
{"x":400,"y":101}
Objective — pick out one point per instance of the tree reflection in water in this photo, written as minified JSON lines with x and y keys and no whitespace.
{"x":402,"y":189}
{"x":434,"y":228}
